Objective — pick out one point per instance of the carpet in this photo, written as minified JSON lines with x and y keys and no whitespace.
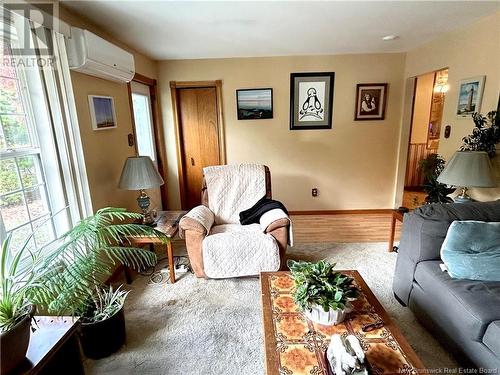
{"x":198,"y":326}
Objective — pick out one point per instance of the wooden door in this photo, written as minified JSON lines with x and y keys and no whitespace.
{"x":198,"y":137}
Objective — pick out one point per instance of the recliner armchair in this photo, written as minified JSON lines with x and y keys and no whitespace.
{"x":218,"y":245}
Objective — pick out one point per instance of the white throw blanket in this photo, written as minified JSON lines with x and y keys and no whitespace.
{"x":234,"y":188}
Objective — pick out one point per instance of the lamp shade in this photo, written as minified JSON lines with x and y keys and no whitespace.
{"x":139,"y":173}
{"x":468,"y":169}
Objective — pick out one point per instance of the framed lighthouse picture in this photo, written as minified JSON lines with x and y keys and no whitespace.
{"x":470,"y":94}
{"x":311,"y":100}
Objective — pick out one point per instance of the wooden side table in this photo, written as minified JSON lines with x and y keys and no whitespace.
{"x":53,"y":348}
{"x":167,"y":223}
{"x":396,"y":215}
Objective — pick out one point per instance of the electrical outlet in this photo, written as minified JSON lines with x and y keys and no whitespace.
{"x":314,"y":192}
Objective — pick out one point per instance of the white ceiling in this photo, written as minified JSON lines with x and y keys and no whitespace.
{"x":188,"y":30}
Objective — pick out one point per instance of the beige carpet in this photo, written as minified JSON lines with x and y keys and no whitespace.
{"x":214,"y":326}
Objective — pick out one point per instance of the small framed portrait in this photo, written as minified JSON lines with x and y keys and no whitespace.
{"x":311,"y":100}
{"x":371,"y":100}
{"x":102,"y":112}
{"x":470,"y":95}
{"x":254,"y":104}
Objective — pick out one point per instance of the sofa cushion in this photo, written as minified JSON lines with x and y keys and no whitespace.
{"x":491,"y":337}
{"x":471,"y":250}
{"x":234,"y":250}
{"x":468,"y":306}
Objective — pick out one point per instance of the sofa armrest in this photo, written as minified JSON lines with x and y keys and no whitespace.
{"x":421,"y":240}
{"x":200,"y":219}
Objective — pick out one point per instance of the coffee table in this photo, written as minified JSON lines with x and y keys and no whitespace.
{"x":294,"y":345}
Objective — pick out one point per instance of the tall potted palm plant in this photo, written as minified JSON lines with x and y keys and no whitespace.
{"x":83,"y":259}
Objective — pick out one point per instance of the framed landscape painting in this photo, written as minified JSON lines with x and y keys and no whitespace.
{"x":371,"y":100}
{"x":254,"y":104}
{"x":102,"y":112}
{"x":470,"y":93}
{"x":311,"y":100}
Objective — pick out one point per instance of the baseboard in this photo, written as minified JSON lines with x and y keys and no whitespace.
{"x":344,"y":212}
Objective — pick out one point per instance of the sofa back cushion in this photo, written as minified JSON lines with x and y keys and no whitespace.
{"x":471,"y":250}
{"x":437,"y":218}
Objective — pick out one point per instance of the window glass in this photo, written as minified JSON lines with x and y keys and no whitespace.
{"x":143,"y":125}
{"x":24,"y":203}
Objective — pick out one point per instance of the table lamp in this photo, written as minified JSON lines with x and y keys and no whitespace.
{"x":468,"y":169}
{"x":139,"y":173}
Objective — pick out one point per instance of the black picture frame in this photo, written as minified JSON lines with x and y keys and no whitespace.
{"x":255,"y":113}
{"x":302,"y":118}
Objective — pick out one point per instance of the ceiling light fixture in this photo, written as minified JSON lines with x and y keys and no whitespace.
{"x":389,"y":37}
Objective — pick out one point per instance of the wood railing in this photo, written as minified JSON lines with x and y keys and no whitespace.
{"x":416,"y":152}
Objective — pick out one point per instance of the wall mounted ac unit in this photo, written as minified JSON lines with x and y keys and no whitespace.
{"x":92,"y":55}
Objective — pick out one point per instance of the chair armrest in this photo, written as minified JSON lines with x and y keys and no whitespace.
{"x":200,"y":219}
{"x":274,"y":219}
{"x":276,"y":224}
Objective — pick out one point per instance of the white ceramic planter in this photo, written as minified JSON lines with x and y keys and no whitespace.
{"x":329,"y":318}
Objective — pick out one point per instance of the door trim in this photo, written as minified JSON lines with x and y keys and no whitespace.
{"x":174,"y":86}
{"x":160,"y":145}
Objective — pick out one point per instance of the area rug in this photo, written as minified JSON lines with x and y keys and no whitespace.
{"x":198,"y":326}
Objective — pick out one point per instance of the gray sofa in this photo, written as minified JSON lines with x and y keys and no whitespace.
{"x":463,"y":314}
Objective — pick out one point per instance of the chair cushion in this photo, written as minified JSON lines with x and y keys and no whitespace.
{"x":467,"y":306}
{"x":234,"y":188}
{"x":234,"y":250}
{"x":471,"y":250}
{"x":492,"y":337}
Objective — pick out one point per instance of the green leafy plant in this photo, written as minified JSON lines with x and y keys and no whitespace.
{"x":21,"y":273}
{"x":437,"y":192}
{"x":106,"y":303}
{"x":85,"y":256}
{"x":319,"y":284}
{"x":485,"y":135}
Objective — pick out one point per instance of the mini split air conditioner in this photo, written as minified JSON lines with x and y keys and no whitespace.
{"x":92,"y":55}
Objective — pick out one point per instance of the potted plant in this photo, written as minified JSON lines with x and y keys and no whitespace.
{"x":437,"y":192}
{"x":321,"y":292}
{"x":20,"y":275}
{"x":104,"y":317}
{"x":83,"y":259}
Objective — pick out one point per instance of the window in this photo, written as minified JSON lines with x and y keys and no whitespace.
{"x":141,"y":103}
{"x":43,"y":182}
{"x":24,"y":202}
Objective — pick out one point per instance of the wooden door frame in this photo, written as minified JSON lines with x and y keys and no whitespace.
{"x":174,"y":86}
{"x":157,"y":130}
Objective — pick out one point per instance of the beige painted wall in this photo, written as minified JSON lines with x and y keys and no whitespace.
{"x":422,"y":108}
{"x":353,"y":165}
{"x":471,"y":51}
{"x":105,"y":151}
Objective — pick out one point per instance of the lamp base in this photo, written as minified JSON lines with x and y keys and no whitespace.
{"x":144,"y":201}
{"x":464,"y":197}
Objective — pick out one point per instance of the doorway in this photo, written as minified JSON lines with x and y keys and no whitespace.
{"x":197,"y":108}
{"x":425,"y":131}
{"x":148,"y":133}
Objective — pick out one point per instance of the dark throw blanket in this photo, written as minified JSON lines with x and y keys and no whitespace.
{"x":253,"y":214}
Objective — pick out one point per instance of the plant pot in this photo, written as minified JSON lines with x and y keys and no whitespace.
{"x":328,"y":318}
{"x":14,"y":343}
{"x":101,"y":339}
